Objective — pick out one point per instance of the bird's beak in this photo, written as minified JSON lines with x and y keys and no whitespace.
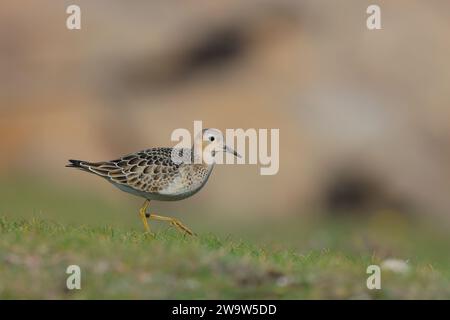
{"x":228,"y":149}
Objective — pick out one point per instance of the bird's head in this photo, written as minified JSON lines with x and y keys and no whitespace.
{"x":212,"y":142}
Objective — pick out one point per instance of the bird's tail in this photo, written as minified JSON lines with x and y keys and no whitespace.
{"x":79,"y":164}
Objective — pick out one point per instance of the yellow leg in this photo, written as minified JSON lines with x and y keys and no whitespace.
{"x":174,"y":222}
{"x":142,"y":213}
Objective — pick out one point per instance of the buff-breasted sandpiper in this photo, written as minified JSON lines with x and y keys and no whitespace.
{"x":154,"y":175}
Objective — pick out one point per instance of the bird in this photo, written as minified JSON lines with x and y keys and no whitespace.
{"x":162,"y":173}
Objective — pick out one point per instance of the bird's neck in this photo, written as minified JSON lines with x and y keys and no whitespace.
{"x":198,"y":158}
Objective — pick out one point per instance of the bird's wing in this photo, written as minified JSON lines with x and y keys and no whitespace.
{"x":149,"y":170}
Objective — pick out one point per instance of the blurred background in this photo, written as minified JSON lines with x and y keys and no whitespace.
{"x":364,"y":115}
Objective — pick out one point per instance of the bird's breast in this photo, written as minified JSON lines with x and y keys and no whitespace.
{"x":189,"y":180}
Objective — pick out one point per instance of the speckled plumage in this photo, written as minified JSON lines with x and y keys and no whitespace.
{"x":151,"y":173}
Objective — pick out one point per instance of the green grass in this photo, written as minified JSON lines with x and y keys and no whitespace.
{"x":115,"y":263}
{"x":46,"y":225}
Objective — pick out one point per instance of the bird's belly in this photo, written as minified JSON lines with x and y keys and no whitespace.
{"x":179,"y":192}
{"x":169,"y":194}
{"x":179,"y":188}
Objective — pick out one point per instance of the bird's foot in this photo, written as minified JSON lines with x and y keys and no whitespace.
{"x":182,"y":227}
{"x":174,"y":222}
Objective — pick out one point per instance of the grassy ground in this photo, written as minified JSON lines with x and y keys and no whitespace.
{"x":46,"y":226}
{"x":34,"y":255}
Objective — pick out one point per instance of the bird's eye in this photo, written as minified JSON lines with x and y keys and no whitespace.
{"x":211,"y":138}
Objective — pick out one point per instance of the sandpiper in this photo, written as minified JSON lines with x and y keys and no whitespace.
{"x":153,"y":175}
